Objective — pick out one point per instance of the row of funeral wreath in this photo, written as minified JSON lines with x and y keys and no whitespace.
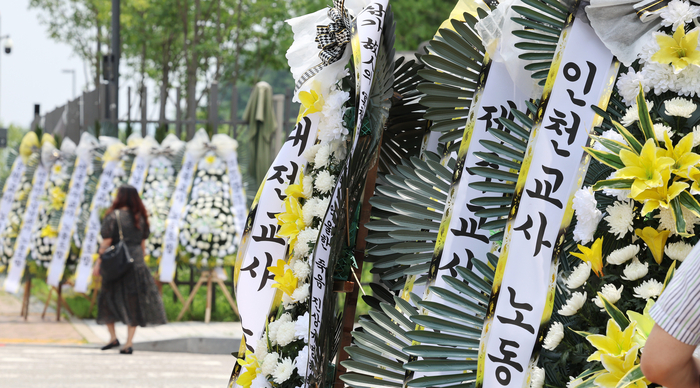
{"x":54,"y":199}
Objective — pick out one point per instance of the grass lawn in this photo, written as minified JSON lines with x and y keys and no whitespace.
{"x":80,"y":303}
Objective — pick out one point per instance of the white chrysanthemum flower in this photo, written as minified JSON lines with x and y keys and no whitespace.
{"x":648,"y":289}
{"x":284,"y":370}
{"x":678,"y":250}
{"x":628,"y":86}
{"x":574,"y":304}
{"x":332,"y":126}
{"x":632,"y":114}
{"x":554,"y":336}
{"x":305,"y":238}
{"x":308,"y":210}
{"x":310,"y":154}
{"x":622,"y":255}
{"x":666,"y":221}
{"x":696,"y":136}
{"x":322,"y":156}
{"x":661,"y":76}
{"x":688,"y":82}
{"x":261,"y":349}
{"x":301,"y":361}
{"x":301,"y":327}
{"x":536,"y":377}
{"x":587,"y":215}
{"x":611,"y":135}
{"x":269,"y":363}
{"x":324,"y":182}
{"x":308,"y":186}
{"x":301,"y":293}
{"x":635,"y":270}
{"x":660,"y":129}
{"x":579,"y":276}
{"x":610,"y":293}
{"x":677,"y":13}
{"x":620,"y":217}
{"x":680,"y":107}
{"x":301,"y":269}
{"x":285,"y":333}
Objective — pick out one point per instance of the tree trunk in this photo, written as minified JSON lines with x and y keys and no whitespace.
{"x":144,"y":104}
{"x":165,"y":85}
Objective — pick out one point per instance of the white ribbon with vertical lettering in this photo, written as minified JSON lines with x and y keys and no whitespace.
{"x":66,"y":226}
{"x":8,"y":192}
{"x":183,"y":183}
{"x":260,"y":248}
{"x":24,"y":239}
{"x":83,"y":275}
{"x":553,"y":170}
{"x":368,"y":33}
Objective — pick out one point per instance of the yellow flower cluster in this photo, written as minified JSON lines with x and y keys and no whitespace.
{"x":657,"y":176}
{"x":618,"y":350}
{"x":252,"y":368}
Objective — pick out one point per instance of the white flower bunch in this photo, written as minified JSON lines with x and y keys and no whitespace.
{"x":13,"y":224}
{"x":157,"y":190}
{"x":208,"y":234}
{"x":587,"y":215}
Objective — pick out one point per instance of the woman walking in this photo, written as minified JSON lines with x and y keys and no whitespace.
{"x":132,"y":298}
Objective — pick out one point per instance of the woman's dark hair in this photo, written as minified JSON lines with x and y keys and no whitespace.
{"x":128,"y":197}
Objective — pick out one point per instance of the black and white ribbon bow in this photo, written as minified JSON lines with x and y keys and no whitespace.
{"x":331,"y":39}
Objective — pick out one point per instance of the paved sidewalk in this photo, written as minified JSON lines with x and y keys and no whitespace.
{"x":194,"y":337}
{"x":42,"y":366}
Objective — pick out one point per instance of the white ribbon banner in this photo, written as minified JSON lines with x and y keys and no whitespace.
{"x":238,"y":199}
{"x":553,"y":170}
{"x":139,"y":170}
{"x":67,"y":223}
{"x":177,"y":211}
{"x":368,"y":32}
{"x":260,"y":248}
{"x":24,"y":239}
{"x":8,"y":192}
{"x":83,"y":275}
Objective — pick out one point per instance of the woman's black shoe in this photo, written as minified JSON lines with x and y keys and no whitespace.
{"x":111,"y":345}
{"x":128,"y":350}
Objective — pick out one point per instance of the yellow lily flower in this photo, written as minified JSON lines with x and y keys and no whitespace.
{"x":30,"y":142}
{"x":644,"y":168}
{"x":292,"y":220}
{"x":679,"y":50}
{"x":311,"y":101}
{"x":278,"y":270}
{"x":662,"y":195}
{"x":682,"y":154}
{"x":49,"y":231}
{"x":655,"y":240}
{"x":287,"y":283}
{"x":296,"y":190}
{"x":644,"y":323}
{"x":593,"y":255}
{"x":57,"y":197}
{"x":615,"y":342}
{"x":617,"y":368}
{"x":694,"y":175}
{"x":252,"y":366}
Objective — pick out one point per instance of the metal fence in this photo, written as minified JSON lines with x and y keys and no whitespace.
{"x":88,"y":111}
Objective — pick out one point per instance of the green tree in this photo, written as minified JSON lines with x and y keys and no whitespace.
{"x":82,"y":24}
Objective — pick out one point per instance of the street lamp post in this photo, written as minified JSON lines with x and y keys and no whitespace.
{"x":72,"y":73}
{"x":8,"y":44}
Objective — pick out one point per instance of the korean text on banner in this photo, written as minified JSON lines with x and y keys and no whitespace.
{"x":553,"y":170}
{"x":66,"y":226}
{"x":83,"y":275}
{"x":24,"y":239}
{"x":260,"y":245}
{"x":183,"y":184}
